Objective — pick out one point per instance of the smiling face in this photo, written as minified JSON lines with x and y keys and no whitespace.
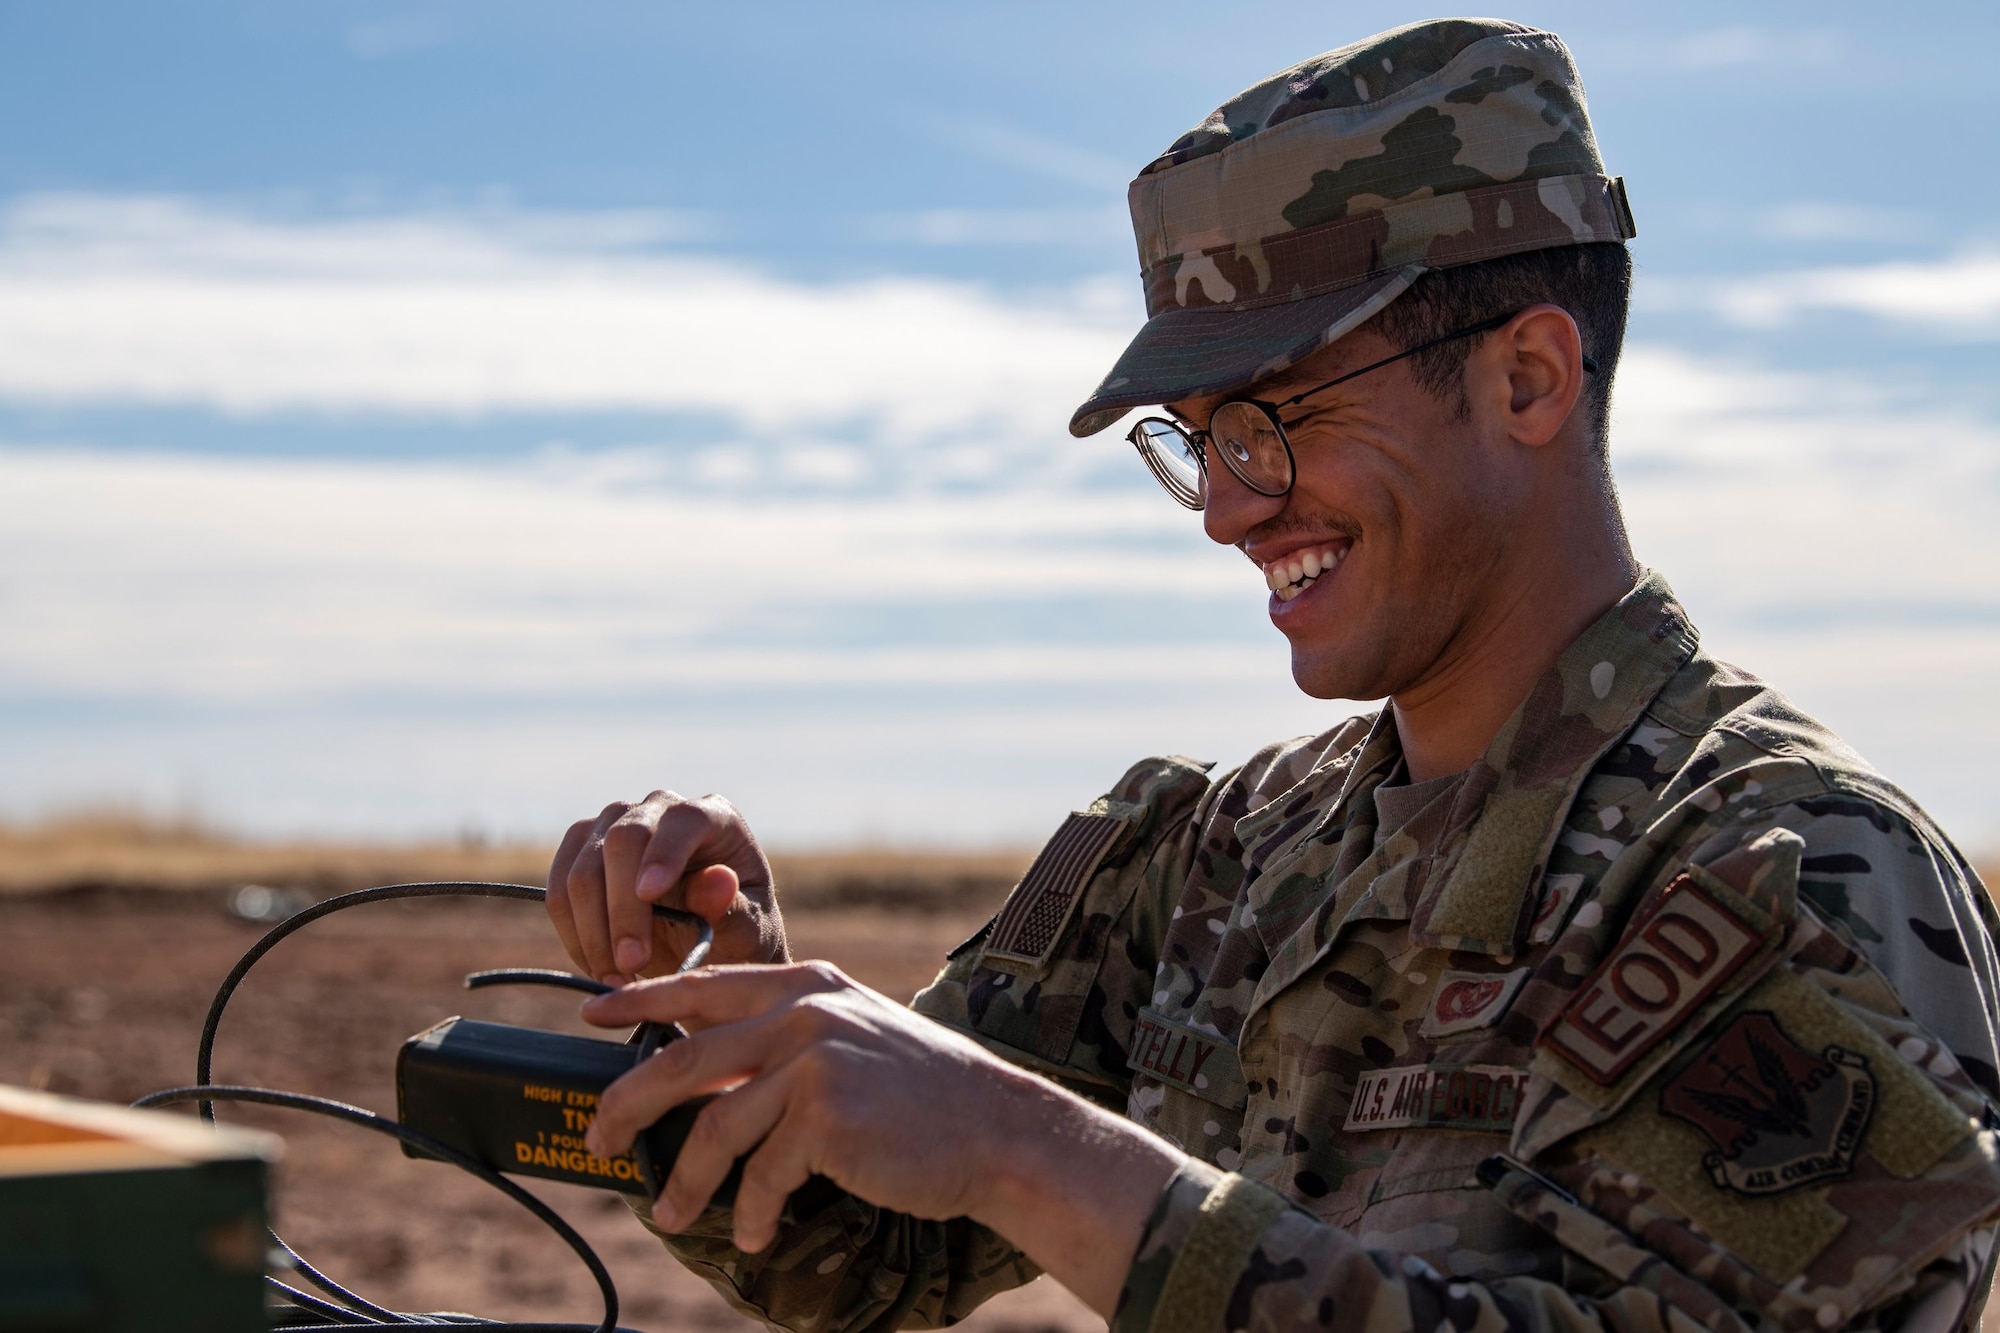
{"x":1394,"y":539}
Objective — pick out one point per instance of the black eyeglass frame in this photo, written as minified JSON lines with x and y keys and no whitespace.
{"x":1199,"y":439}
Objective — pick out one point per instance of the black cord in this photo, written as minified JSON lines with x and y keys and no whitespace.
{"x":355,"y":1310}
{"x":430,"y":1147}
{"x":534,"y":976}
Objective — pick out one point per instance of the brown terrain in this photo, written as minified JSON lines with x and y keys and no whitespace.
{"x":113,"y":938}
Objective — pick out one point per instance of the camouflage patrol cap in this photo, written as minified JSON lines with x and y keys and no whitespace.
{"x":1304,"y":205}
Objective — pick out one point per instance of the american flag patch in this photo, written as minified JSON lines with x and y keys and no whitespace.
{"x":1035,"y":913}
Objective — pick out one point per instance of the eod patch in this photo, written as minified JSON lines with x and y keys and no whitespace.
{"x":1671,"y":960}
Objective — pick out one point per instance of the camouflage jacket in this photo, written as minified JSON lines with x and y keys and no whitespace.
{"x":1679,"y":1015}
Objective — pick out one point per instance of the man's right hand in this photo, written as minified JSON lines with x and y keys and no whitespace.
{"x":696,"y":855}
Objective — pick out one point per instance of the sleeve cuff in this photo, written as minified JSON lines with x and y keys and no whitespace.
{"x":1195,"y":1247}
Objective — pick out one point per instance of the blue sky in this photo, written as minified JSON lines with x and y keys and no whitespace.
{"x":426,"y":417}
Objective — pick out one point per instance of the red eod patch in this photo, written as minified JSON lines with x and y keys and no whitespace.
{"x":1671,"y":960}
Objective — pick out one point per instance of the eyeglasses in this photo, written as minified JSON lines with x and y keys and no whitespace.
{"x":1249,"y":436}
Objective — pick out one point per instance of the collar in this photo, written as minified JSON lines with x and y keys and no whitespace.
{"x":1509,"y":812}
{"x":1520,"y":790}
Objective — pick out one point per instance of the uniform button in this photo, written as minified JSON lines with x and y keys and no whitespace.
{"x":1827,"y":1316}
{"x":1211,"y":1129}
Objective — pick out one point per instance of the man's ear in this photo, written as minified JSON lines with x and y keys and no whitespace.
{"x":1529,"y":372}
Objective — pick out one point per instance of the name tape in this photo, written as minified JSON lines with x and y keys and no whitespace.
{"x":1677,"y":956}
{"x":1189,"y":1059}
{"x":1437,"y":1096}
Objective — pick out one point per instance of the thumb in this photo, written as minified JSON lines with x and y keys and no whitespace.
{"x":711,"y":892}
{"x":744,"y":931}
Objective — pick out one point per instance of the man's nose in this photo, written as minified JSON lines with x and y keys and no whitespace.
{"x":1232,"y":509}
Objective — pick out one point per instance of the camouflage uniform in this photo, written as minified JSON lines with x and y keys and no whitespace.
{"x":1669,"y":1013}
{"x":1240,"y":964}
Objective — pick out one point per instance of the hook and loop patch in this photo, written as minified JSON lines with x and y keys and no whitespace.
{"x":1033,"y":917}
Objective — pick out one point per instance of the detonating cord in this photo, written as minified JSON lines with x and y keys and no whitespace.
{"x":355,"y":1311}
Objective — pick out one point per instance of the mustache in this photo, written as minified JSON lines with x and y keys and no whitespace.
{"x":1304,"y":525}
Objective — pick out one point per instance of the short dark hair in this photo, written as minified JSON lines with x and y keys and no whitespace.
{"x":1593,"y":282}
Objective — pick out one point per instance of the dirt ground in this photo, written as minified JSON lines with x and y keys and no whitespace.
{"x":102,"y":993}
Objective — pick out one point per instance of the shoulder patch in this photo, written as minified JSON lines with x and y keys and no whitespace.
{"x":1032,"y":919}
{"x":1779,"y":1115}
{"x":1681,"y":953}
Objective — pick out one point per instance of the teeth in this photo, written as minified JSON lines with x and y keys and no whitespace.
{"x":1295,"y":573}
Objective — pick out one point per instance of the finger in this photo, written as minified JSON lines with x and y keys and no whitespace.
{"x":750,"y":1119}
{"x":709,"y":1061}
{"x":712,"y":893}
{"x":727,"y":1128}
{"x":779,"y":1166}
{"x":586,"y":898}
{"x":684,"y":831}
{"x":628,"y":921}
{"x":729,"y":993}
{"x":739,"y":925}
{"x":557,"y":899}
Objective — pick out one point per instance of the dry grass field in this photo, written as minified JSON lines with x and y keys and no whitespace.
{"x":113,"y":935}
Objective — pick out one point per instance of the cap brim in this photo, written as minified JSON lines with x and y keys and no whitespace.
{"x":1185,"y":353}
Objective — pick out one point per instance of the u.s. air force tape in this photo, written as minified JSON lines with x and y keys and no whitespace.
{"x":1189,"y":1059}
{"x":1033,"y":917}
{"x":1437,"y":1096}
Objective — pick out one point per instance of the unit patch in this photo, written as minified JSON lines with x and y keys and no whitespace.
{"x":1464,"y":1001}
{"x":1189,"y":1059}
{"x":1033,"y":917}
{"x":1670,"y":961}
{"x":1780,"y":1116}
{"x":1437,"y":1096}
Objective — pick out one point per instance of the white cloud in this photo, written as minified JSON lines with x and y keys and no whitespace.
{"x":1831,"y":536}
{"x":340,"y":643}
{"x":163,"y":302}
{"x":1956,"y":297}
{"x":1838,"y":540}
{"x":231,"y":579}
{"x":1820,"y":220}
{"x":1720,"y":48}
{"x":1038,"y":155}
{"x":1065,"y":227}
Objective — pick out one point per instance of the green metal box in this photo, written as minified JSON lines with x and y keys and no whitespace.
{"x":118,"y":1221}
